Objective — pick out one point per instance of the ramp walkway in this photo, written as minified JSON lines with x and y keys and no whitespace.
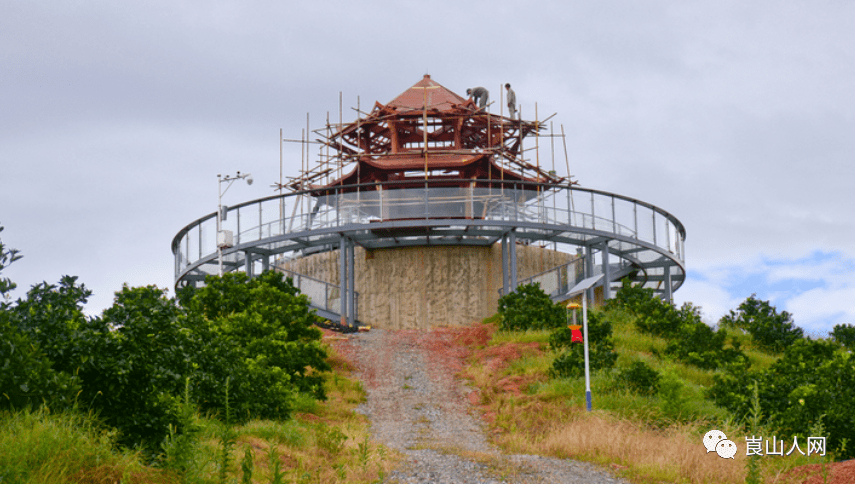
{"x":324,"y":298}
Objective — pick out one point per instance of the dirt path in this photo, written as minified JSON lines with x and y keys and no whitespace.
{"x":418,"y":407}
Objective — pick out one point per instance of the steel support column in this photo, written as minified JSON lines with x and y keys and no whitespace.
{"x":589,"y":269}
{"x":668,"y":294}
{"x":505,"y":271}
{"x":342,"y":278}
{"x":351,"y":296}
{"x":512,"y":248}
{"x":607,"y":279}
{"x":248,"y":264}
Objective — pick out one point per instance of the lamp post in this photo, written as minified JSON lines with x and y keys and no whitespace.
{"x":585,"y":336}
{"x":575,"y":328}
{"x":582,"y":288}
{"x":224,"y":237}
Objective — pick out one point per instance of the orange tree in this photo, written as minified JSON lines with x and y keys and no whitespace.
{"x":260,"y":335}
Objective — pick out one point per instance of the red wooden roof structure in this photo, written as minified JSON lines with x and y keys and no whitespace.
{"x":426,"y":133}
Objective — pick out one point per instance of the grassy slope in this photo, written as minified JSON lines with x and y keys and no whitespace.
{"x":528,"y":412}
{"x":326,"y":442}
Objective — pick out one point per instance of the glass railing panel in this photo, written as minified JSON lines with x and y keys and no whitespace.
{"x":208,"y":233}
{"x":315,"y":290}
{"x":271,"y":215}
{"x":207,"y":238}
{"x":548,"y":282}
{"x":662,"y":234}
{"x":449,"y":202}
{"x":625,"y":215}
{"x":645,"y":223}
{"x":181,"y":255}
{"x":334,"y":300}
{"x":193,"y":244}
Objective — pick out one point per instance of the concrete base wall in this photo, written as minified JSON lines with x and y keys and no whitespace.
{"x":425,"y":287}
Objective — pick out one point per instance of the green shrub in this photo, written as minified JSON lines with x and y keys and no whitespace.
{"x":845,"y":335}
{"x":730,"y":388}
{"x":51,"y":316}
{"x":570,"y":361}
{"x":653,"y":315}
{"x":7,"y":256}
{"x":258,"y":333}
{"x":671,"y":394}
{"x":130,"y":364}
{"x":640,"y":378}
{"x":691,"y":340}
{"x":770,"y":330}
{"x":633,"y":298}
{"x":696,"y":344}
{"x":811,"y":380}
{"x":133,"y":362}
{"x":528,"y":307}
{"x":27,"y":378}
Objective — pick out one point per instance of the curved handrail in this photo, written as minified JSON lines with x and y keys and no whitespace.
{"x":499,"y":184}
{"x":538,"y":211}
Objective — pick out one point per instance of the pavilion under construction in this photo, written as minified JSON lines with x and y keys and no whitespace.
{"x":423,"y":211}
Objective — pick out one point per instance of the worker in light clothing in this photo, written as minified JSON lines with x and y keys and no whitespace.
{"x":479,"y":95}
{"x":512,"y":101}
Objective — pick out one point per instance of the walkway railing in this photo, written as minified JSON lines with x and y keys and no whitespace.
{"x":323,"y":296}
{"x":558,"y":281}
{"x":463,"y":211}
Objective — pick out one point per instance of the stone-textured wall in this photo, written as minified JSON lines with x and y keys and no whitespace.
{"x":424,"y":287}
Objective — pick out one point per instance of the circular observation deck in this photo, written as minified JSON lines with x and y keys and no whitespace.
{"x":620,"y":236}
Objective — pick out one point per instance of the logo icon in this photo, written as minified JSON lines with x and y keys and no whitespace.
{"x":712,"y":438}
{"x":725,"y":449}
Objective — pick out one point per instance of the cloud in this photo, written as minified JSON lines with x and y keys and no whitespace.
{"x":817,"y":288}
{"x":736,"y":117}
{"x":714,"y":300}
{"x":819,"y":310}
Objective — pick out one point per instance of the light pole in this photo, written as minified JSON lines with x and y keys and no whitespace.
{"x":582,"y":288}
{"x":585,"y":336}
{"x":224,"y":237}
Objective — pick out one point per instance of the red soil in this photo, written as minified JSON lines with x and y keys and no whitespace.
{"x":838,"y":473}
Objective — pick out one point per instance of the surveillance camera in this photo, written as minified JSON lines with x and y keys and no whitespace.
{"x":249,"y":180}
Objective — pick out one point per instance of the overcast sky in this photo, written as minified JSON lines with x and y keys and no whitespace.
{"x":737,"y":117}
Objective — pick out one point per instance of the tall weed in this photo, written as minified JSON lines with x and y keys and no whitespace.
{"x":227,"y":441}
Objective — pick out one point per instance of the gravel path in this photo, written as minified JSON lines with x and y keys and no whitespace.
{"x":417,"y":407}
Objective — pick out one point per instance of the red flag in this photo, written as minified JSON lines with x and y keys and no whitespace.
{"x":576,"y":334}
